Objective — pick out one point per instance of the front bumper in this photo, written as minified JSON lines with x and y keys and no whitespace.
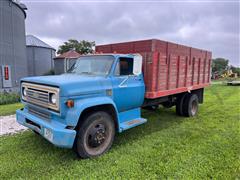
{"x":52,"y":130}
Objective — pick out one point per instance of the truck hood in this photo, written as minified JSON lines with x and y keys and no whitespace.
{"x":73,"y":84}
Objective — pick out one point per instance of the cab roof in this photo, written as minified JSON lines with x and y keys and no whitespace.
{"x":111,"y":54}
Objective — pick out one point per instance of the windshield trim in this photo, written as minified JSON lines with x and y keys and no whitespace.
{"x":93,"y":74}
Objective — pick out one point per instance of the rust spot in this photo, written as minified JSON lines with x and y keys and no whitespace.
{"x":133,"y":122}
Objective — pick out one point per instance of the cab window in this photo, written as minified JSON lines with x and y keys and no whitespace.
{"x":124,"y":67}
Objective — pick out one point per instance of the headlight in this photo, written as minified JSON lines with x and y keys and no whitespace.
{"x":53,"y":98}
{"x":24,"y":91}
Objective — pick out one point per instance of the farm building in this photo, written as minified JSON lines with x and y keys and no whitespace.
{"x":39,"y":56}
{"x":13,"y":59}
{"x":64,"y":61}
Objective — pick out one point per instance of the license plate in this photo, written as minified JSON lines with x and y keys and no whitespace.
{"x":48,"y":134}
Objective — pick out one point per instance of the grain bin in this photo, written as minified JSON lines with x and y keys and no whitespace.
{"x":39,"y":56}
{"x":13,"y":60}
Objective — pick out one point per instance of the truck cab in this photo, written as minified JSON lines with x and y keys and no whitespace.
{"x":83,"y":109}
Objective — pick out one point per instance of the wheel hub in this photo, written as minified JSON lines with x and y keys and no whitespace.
{"x":194,"y":107}
{"x":97,"y":135}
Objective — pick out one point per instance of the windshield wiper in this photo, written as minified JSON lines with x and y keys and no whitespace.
{"x":70,"y":70}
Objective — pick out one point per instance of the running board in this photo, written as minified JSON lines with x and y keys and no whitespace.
{"x":132,"y":123}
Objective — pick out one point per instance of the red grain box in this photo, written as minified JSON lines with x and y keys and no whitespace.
{"x":168,"y":68}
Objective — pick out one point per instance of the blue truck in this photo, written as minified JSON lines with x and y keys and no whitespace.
{"x":84,"y":107}
{"x":101,"y":94}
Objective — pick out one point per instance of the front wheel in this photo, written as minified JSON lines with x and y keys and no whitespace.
{"x":95,"y":135}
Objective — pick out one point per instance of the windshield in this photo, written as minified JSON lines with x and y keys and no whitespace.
{"x":92,"y":65}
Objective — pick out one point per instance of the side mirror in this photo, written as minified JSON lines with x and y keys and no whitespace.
{"x":137,"y":64}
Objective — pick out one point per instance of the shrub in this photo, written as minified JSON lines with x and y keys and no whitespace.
{"x":9,"y":98}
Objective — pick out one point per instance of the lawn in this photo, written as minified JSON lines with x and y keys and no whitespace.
{"x":168,"y":146}
{"x":9,"y":109}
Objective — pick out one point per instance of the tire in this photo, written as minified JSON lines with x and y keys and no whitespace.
{"x":179,"y":104}
{"x":95,"y":135}
{"x":190,"y":105}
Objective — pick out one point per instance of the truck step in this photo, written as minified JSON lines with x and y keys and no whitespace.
{"x":132,"y":123}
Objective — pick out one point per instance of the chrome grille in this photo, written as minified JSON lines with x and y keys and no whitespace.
{"x":39,"y":95}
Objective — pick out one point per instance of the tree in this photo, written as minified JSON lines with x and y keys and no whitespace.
{"x":235,"y":70}
{"x":219,"y":65}
{"x":82,"y":47}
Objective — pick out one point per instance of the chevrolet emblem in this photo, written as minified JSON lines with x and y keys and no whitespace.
{"x":35,"y":95}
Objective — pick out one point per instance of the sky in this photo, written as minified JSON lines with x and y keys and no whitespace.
{"x":212,"y":25}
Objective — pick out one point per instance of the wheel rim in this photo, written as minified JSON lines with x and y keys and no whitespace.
{"x":194,"y":108}
{"x":96,"y":135}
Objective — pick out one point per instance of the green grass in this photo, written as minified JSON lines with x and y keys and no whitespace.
{"x":9,"y":109}
{"x":168,"y":146}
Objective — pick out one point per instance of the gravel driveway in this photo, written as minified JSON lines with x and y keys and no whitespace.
{"x":9,"y":125}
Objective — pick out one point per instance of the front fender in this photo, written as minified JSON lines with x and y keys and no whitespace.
{"x":73,"y":114}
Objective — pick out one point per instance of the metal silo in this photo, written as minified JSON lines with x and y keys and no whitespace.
{"x":39,"y":56}
{"x":13,"y":59}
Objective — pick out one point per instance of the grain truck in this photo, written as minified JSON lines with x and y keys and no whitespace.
{"x":103,"y":93}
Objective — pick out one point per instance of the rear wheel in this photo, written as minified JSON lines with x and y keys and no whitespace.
{"x":190,"y":105}
{"x":95,"y":135}
{"x":179,"y":104}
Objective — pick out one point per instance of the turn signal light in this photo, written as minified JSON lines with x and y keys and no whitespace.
{"x":70,"y":103}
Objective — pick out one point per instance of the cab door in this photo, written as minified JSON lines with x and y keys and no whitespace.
{"x":128,"y":84}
